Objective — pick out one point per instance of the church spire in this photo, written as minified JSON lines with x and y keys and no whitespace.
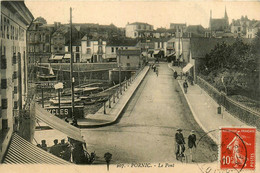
{"x":226,"y":16}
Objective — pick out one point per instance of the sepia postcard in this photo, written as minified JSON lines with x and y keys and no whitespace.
{"x":130,"y":86}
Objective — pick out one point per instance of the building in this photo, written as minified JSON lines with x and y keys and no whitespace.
{"x":195,"y":31}
{"x":221,"y":24}
{"x":39,"y":41}
{"x":253,"y":30}
{"x":114,"y":45}
{"x":60,"y":44}
{"x":15,"y":18}
{"x":93,"y":49}
{"x":130,"y":59}
{"x":138,"y":29}
{"x":163,"y":33}
{"x":179,"y":28}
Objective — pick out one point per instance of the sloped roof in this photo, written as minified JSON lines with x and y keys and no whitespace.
{"x":130,"y":52}
{"x":122,"y":42}
{"x":196,"y":29}
{"x":177,"y":24}
{"x":218,"y":23}
{"x":257,"y":24}
{"x":201,"y":46}
{"x":139,"y":23}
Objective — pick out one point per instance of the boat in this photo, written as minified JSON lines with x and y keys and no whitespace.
{"x":63,"y":100}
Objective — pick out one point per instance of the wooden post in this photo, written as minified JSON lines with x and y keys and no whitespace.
{"x":109,"y":101}
{"x":105,"y":108}
{"x":114,"y":100}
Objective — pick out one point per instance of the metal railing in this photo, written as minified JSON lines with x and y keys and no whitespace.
{"x":244,"y":113}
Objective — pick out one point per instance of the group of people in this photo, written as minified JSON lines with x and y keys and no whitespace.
{"x":179,"y":139}
{"x":73,"y":151}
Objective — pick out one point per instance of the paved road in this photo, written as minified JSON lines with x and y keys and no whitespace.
{"x":146,"y":131}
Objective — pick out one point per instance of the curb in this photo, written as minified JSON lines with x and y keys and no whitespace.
{"x":120,"y":113}
{"x":196,"y":117}
{"x":193,"y":112}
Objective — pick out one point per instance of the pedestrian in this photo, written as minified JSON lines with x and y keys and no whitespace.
{"x":192,"y":143}
{"x":185,"y":86}
{"x":44,"y":145}
{"x":175,"y":74}
{"x":157,"y":72}
{"x":180,"y":143}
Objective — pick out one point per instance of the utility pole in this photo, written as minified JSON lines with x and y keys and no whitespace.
{"x":71,"y":67}
{"x":119,"y":64}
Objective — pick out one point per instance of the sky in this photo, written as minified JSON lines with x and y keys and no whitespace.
{"x":159,"y":14}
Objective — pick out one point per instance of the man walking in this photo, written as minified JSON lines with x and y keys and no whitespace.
{"x":192,"y":143}
{"x":180,"y":143}
{"x":185,"y":86}
{"x":175,"y":74}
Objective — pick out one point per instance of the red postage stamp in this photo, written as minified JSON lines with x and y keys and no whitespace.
{"x":237,"y":148}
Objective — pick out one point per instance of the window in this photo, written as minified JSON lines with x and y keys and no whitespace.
{"x":3,"y":83}
{"x":128,"y":64}
{"x":77,"y":57}
{"x":15,"y":89}
{"x":112,"y":49}
{"x":60,"y":48}
{"x":4,"y":103}
{"x":77,"y":49}
{"x":88,"y":51}
{"x":15,"y":75}
{"x":3,"y":62}
{"x":126,"y":47}
{"x":88,"y":43}
{"x":15,"y":105}
{"x":128,"y":57}
{"x":14,"y":58}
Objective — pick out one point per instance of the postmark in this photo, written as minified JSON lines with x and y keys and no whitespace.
{"x":237,"y":149}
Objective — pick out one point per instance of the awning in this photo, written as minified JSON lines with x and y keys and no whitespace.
{"x":156,"y":52}
{"x":86,"y":56}
{"x":58,"y":124}
{"x":187,"y":67}
{"x":108,"y":56}
{"x":21,"y":151}
{"x":67,"y":56}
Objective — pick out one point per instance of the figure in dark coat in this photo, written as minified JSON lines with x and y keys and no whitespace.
{"x":180,"y":142}
{"x":192,"y":143}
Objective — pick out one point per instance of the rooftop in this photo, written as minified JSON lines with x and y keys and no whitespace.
{"x":136,"y":52}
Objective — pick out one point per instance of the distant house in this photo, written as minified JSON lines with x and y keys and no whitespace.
{"x":253,"y":30}
{"x":138,"y":29}
{"x":129,"y":59}
{"x":93,"y":50}
{"x":163,"y":33}
{"x":114,"y":45}
{"x":178,"y":28}
{"x":39,"y":41}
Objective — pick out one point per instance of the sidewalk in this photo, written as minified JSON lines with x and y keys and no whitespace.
{"x":204,"y":110}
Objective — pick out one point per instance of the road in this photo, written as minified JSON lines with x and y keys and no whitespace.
{"x":146,"y":131}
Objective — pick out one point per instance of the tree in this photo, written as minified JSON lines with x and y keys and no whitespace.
{"x":40,"y":20}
